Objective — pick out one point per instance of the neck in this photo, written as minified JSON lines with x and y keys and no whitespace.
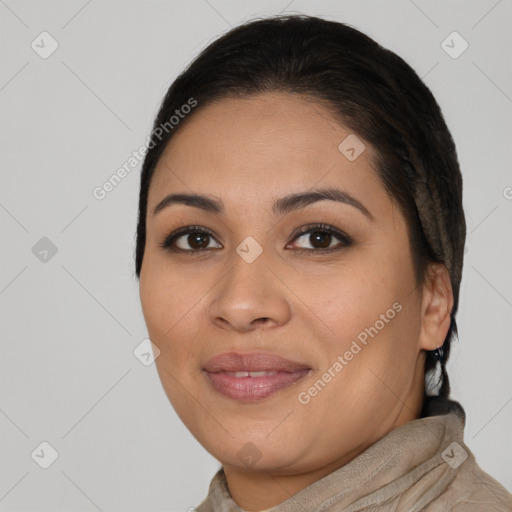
{"x":255,"y":491}
{"x":260,"y":490}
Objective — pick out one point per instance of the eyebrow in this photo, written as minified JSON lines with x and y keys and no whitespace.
{"x":281,"y":206}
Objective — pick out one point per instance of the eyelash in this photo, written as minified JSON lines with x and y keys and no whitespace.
{"x":345,"y":240}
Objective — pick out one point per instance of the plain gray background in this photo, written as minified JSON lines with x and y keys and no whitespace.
{"x":70,"y":324}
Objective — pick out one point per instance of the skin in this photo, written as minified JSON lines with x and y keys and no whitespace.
{"x":305,"y":306}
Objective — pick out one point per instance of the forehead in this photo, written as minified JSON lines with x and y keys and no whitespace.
{"x":268,"y":144}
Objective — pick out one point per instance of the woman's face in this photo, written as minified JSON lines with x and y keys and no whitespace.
{"x":344,"y":309}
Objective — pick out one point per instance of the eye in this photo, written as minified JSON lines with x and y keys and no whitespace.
{"x":320,"y":237}
{"x":197,"y":239}
{"x":190,"y":239}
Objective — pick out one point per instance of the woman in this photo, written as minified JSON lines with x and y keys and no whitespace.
{"x":300,"y":248}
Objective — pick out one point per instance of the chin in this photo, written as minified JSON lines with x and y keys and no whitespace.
{"x":254,"y":451}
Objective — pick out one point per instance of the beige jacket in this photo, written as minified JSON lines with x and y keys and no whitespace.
{"x":423,"y":465}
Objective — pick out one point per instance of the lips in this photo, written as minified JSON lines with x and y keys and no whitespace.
{"x":252,"y":362}
{"x":252,"y":376}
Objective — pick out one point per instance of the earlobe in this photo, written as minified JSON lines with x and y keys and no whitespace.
{"x":437,"y":304}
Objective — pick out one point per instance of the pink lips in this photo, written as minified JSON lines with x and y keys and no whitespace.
{"x":252,"y":376}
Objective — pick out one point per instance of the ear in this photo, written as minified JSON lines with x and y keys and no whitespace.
{"x":436,"y":305}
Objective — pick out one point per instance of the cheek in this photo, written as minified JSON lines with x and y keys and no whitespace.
{"x":345,"y":300}
{"x":373,"y":325}
{"x":168,"y":304}
{"x":379,"y":358}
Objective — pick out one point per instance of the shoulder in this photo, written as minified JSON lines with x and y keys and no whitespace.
{"x":218,"y":499}
{"x":470,"y":489}
{"x":474,"y":490}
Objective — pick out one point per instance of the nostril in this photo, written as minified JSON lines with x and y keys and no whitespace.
{"x":262,"y":320}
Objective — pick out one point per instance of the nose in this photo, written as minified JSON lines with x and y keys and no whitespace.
{"x":249,"y":297}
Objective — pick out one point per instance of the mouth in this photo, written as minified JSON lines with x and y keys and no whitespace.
{"x":252,"y":376}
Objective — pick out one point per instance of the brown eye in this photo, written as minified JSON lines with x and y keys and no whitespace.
{"x":195,"y":241}
{"x":322,"y":238}
{"x":190,"y":239}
